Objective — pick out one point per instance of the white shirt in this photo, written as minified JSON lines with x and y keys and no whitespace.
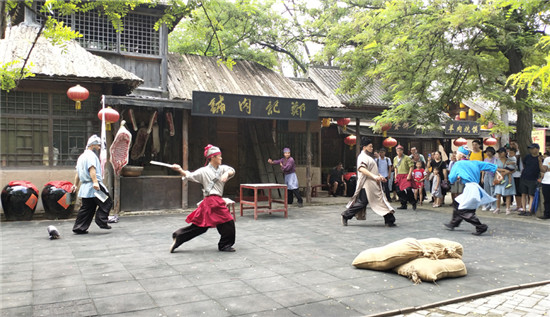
{"x":546,"y":177}
{"x":209,"y":175}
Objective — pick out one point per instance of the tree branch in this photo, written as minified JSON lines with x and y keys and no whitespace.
{"x":213,"y":30}
{"x":282,"y":50}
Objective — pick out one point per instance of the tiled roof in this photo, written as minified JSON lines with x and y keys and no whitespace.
{"x":329,"y":78}
{"x":69,"y":60}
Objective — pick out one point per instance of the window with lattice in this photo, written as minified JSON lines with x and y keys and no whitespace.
{"x":30,"y":118}
{"x":138,"y":35}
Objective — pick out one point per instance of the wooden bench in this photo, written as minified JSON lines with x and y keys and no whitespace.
{"x":314,"y":189}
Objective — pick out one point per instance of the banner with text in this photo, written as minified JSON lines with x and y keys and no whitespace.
{"x":258,"y":107}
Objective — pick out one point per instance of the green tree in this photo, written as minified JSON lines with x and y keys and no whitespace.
{"x":245,"y":29}
{"x":429,"y":53}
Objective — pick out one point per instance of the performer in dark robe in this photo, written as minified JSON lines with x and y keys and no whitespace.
{"x":465,"y":205}
{"x":369,"y":189}
{"x":212,"y":212}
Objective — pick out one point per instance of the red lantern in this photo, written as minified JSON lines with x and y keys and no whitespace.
{"x":385,"y":128}
{"x":460,"y":142}
{"x":350,"y":140}
{"x":78,"y":93}
{"x":490,"y":141}
{"x":343,"y":121}
{"x":389,"y":142}
{"x":457,"y":117}
{"x":111,"y":116}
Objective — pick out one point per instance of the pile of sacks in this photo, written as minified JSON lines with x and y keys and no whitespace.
{"x":419,"y":260}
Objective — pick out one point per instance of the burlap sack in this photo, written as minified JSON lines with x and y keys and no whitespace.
{"x":424,"y":269}
{"x":442,"y":249}
{"x":389,"y":256}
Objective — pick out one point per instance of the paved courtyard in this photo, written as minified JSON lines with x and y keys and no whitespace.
{"x":300,"y":266}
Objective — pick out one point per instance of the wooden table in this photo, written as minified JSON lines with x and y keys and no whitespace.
{"x":263,"y":208}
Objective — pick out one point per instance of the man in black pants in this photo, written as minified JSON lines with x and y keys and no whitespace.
{"x":369,"y":188}
{"x":212,"y":211}
{"x":88,"y":180}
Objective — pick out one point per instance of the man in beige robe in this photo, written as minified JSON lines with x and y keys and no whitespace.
{"x":369,"y":189}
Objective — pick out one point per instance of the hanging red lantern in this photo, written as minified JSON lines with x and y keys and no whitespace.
{"x":111,"y":116}
{"x":389,"y":142}
{"x":325,"y":123}
{"x":343,"y":122}
{"x":78,"y":93}
{"x":460,"y":142}
{"x":490,"y":141}
{"x":385,"y":128}
{"x":457,"y":117}
{"x":350,"y":140}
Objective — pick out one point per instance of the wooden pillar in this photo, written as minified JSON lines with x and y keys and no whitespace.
{"x":185,"y":158}
{"x":358,"y":136}
{"x":308,"y":161}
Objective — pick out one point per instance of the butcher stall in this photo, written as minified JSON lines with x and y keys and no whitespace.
{"x":145,"y":134}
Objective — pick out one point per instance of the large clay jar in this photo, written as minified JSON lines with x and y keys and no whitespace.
{"x":19,"y":200}
{"x":57,"y":199}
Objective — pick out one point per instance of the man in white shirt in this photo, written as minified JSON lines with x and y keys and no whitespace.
{"x":384,"y":168}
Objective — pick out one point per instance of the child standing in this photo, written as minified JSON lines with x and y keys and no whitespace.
{"x":436,"y":188}
{"x":511,"y":165}
{"x":419,"y":175}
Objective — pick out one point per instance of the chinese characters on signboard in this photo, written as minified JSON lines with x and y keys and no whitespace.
{"x":462,"y":128}
{"x":258,"y":107}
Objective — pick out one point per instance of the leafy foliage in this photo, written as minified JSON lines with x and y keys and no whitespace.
{"x":429,"y":53}
{"x":245,"y":29}
{"x":12,"y":70}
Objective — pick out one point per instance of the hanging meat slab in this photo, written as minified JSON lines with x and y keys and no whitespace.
{"x":138,"y":149}
{"x":120,"y":148}
{"x":133,"y":119}
{"x":156,"y":140}
{"x":170,"y":121}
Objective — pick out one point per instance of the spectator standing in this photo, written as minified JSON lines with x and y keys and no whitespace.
{"x":414,"y":152}
{"x":438,"y":162}
{"x":436,"y":188}
{"x":403,"y":178}
{"x":419,"y":175}
{"x":532,"y":167}
{"x":546,"y":185}
{"x":477,"y":151}
{"x":513,"y":151}
{"x":488,"y":177}
{"x":384,"y":168}
{"x":500,"y":189}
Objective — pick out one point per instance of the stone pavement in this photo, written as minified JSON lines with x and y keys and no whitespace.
{"x":298,"y":266}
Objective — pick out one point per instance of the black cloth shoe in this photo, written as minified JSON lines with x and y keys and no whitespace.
{"x":390,"y":225}
{"x":344,"y":221}
{"x":80,"y":231}
{"x":449,"y":227}
{"x":228,"y":249}
{"x":105,"y":227}
{"x":414,"y":206}
{"x":300,"y":205}
{"x":478,"y":233}
{"x":524,"y":214}
{"x":173,"y":246}
{"x":402,"y":207}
